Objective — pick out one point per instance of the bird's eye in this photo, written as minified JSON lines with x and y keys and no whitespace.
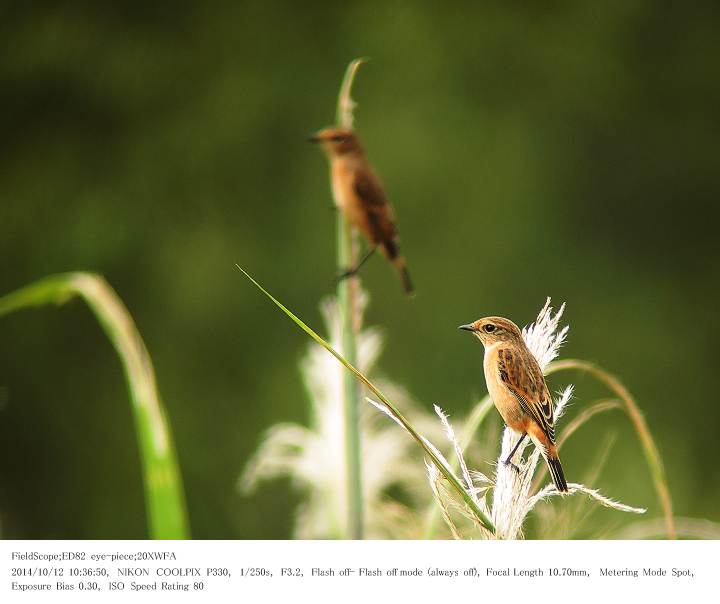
{"x":338,"y":139}
{"x":489,"y":328}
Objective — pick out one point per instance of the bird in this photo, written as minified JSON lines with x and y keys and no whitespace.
{"x":361,"y":196}
{"x":517,"y":387}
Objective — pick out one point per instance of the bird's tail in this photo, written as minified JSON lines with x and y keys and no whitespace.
{"x":556,"y":471}
{"x":405,"y":277}
{"x":392,"y":251}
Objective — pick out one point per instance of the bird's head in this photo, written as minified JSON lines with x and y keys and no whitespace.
{"x":337,"y":141}
{"x":491,"y":330}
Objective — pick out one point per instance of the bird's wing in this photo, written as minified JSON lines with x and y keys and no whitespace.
{"x":523,"y":377}
{"x":374,"y":202}
{"x":369,"y":188}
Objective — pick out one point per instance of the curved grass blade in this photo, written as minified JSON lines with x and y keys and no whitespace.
{"x":652,"y":454}
{"x":392,"y":409}
{"x":164,"y":497}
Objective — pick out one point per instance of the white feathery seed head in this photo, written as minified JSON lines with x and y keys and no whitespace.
{"x":543,"y":338}
{"x":512,"y":500}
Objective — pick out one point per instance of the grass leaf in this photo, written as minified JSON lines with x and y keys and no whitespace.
{"x":164,"y":497}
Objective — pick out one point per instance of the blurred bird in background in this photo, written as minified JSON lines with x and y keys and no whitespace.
{"x":360,"y":195}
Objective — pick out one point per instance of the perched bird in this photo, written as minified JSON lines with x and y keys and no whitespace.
{"x":361,"y":196}
{"x":517,"y":387}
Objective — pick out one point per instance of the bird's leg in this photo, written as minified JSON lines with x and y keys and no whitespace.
{"x":352,"y":271}
{"x":508,"y":461}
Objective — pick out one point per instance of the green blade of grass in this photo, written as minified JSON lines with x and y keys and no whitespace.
{"x":447,"y":473}
{"x":164,"y":497}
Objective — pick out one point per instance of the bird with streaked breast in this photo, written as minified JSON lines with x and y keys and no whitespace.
{"x":361,"y":196}
{"x":517,"y":387}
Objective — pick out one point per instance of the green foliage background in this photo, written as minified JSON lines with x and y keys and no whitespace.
{"x":568,"y":149}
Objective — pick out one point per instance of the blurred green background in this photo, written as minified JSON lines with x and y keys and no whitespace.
{"x":567,"y":150}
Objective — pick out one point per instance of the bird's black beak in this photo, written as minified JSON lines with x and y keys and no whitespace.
{"x":313,"y":138}
{"x":468,"y":327}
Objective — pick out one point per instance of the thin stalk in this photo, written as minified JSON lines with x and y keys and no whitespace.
{"x":351,"y":404}
{"x":347,"y":292}
{"x":652,"y":454}
{"x":164,"y":497}
{"x":394,"y":411}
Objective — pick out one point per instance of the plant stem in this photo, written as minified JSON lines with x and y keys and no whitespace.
{"x":652,"y":454}
{"x":347,"y":300}
{"x":351,"y":394}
